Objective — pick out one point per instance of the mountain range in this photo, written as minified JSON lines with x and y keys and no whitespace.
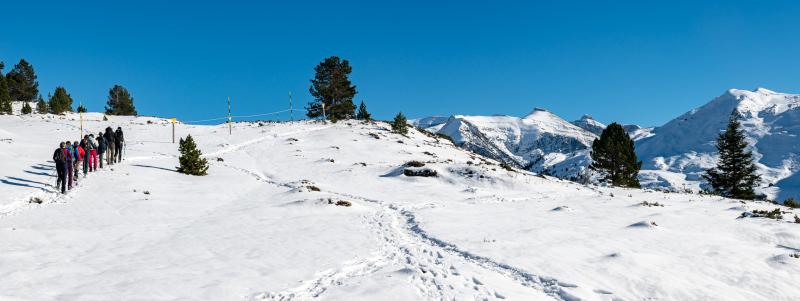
{"x":674,"y":155}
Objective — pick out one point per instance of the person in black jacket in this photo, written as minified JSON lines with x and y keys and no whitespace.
{"x":61,"y":167}
{"x":101,"y":147}
{"x":120,"y":143}
{"x":111,"y":151}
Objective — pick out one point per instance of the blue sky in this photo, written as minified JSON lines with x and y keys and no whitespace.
{"x":624,"y":61}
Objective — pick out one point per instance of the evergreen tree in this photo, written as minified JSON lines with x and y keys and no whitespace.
{"x":5,"y":97}
{"x":81,"y":109}
{"x":26,"y":108}
{"x":60,"y":101}
{"x":41,"y":106}
{"x":362,"y":113}
{"x":613,"y":154}
{"x":120,"y":102}
{"x":22,"y":83}
{"x":191,"y":162}
{"x":735,"y":175}
{"x":332,"y":88}
{"x":400,"y":124}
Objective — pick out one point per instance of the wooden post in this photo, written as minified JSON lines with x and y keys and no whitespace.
{"x":230,"y":129}
{"x":173,"y":121}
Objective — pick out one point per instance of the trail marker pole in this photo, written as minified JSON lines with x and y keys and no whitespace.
{"x":173,"y":121}
{"x":323,"y":112}
{"x":291,"y":109}
{"x":230,"y":129}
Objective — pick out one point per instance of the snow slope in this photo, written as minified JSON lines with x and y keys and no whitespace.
{"x":771,"y":120}
{"x":260,"y":226}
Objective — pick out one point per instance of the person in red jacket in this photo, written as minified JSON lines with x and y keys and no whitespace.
{"x":92,"y":153}
{"x":69,"y":166}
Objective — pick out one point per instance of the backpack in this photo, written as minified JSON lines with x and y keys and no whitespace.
{"x":58,"y":156}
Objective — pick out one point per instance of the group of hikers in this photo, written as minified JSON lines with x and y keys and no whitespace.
{"x":87,"y":153}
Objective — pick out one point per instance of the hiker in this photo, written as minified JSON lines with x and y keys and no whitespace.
{"x":84,"y":145}
{"x":92,"y":153}
{"x":78,"y":155}
{"x":120,"y":140}
{"x":101,"y":147}
{"x":69,"y":166}
{"x":61,"y":166}
{"x":109,"y":135}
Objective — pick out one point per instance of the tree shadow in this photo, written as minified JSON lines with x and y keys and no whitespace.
{"x":23,"y":183}
{"x":39,"y":173}
{"x":155,"y":167}
{"x":43,"y":167}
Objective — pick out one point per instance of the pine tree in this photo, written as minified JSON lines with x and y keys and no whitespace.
{"x":191,"y":161}
{"x":400,"y":124}
{"x":735,"y":174}
{"x":613,"y":154}
{"x":41,"y":106}
{"x":22,"y":83}
{"x":362,"y":113}
{"x":332,"y":88}
{"x":60,"y":101}
{"x":120,"y":102}
{"x":26,"y":108}
{"x":81,"y":109}
{"x":5,"y":97}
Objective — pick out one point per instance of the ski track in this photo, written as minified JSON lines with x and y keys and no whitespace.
{"x":436,"y":262}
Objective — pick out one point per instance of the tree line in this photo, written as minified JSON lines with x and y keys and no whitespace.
{"x":20,"y":84}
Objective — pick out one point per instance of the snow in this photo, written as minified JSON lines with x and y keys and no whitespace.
{"x":256,"y":228}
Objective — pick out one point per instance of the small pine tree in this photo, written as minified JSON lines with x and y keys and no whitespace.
{"x":735,"y":174}
{"x":60,"y":101}
{"x":81,"y":109}
{"x":332,"y":89}
{"x":400,"y":124}
{"x":26,"y":108}
{"x":41,"y":106}
{"x":120,"y":102}
{"x":613,"y":154}
{"x":5,"y":97}
{"x":362,"y":113}
{"x":191,"y":162}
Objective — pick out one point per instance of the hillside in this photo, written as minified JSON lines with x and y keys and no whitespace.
{"x":261,"y":225}
{"x":771,"y":121}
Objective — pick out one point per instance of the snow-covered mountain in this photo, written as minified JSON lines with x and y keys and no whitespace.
{"x":541,"y":141}
{"x":686,"y":145}
{"x":596,"y":127}
{"x":587,"y":122}
{"x":674,"y":155}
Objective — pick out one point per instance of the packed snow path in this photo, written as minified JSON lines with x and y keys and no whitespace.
{"x":262,"y":224}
